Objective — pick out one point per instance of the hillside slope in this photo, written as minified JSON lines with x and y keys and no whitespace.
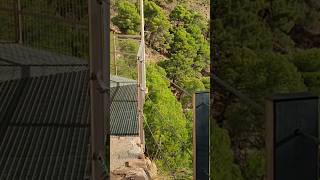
{"x":178,"y":55}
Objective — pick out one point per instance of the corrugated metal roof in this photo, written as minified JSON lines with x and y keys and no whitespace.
{"x":123,"y":111}
{"x":16,"y":53}
{"x":44,"y":119}
{"x":14,"y":59}
{"x":45,"y":123}
{"x":44,"y":127}
{"x":115,"y":80}
{"x":123,"y":108}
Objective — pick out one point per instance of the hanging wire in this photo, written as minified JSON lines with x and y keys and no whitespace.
{"x":159,"y":147}
{"x":173,"y":131}
{"x":179,"y":87}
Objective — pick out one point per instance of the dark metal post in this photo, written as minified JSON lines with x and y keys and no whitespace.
{"x":292,"y":126}
{"x":18,"y":18}
{"x":99,"y":51}
{"x":201,"y":136}
{"x":269,"y":140}
{"x":106,"y":77}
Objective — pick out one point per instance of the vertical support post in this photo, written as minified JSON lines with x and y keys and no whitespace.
{"x":269,"y":116}
{"x":292,"y":141}
{"x":115,"y":54}
{"x":141,"y":76}
{"x":201,"y":135}
{"x":18,"y":22}
{"x":194,"y":138}
{"x":99,"y":55}
{"x":143,"y":65}
{"x":106,"y":77}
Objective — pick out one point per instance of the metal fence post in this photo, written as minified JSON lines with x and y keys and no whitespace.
{"x":201,"y":118}
{"x":141,"y":76}
{"x":98,"y":68}
{"x":18,"y":22}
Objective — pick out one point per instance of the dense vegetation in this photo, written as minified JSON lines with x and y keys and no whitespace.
{"x":173,"y":31}
{"x":167,"y":136}
{"x":261,"y":50}
{"x":180,"y":37}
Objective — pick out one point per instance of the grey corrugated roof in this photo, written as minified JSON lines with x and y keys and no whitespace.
{"x":45,"y":127}
{"x":122,"y":81}
{"x":123,"y":110}
{"x":25,"y":55}
{"x":44,"y":121}
{"x":14,"y":59}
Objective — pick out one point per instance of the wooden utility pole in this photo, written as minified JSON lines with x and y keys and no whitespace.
{"x":141,"y":76}
{"x":99,"y":74}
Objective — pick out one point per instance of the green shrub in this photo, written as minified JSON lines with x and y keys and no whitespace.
{"x":157,"y":26}
{"x":127,"y":18}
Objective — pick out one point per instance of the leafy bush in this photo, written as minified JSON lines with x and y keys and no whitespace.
{"x":168,"y":124}
{"x":259,"y":56}
{"x":177,"y":67}
{"x":307,"y":60}
{"x":181,"y":14}
{"x":157,"y":26}
{"x":127,"y":18}
{"x":222,"y":166}
{"x":255,"y":166}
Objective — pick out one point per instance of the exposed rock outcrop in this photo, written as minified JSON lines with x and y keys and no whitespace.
{"x":128,"y":160}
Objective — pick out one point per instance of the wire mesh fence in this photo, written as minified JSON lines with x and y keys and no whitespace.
{"x":59,"y":26}
{"x":42,"y":44}
{"x":124,"y":50}
{"x":42,"y":37}
{"x":7,"y":19}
